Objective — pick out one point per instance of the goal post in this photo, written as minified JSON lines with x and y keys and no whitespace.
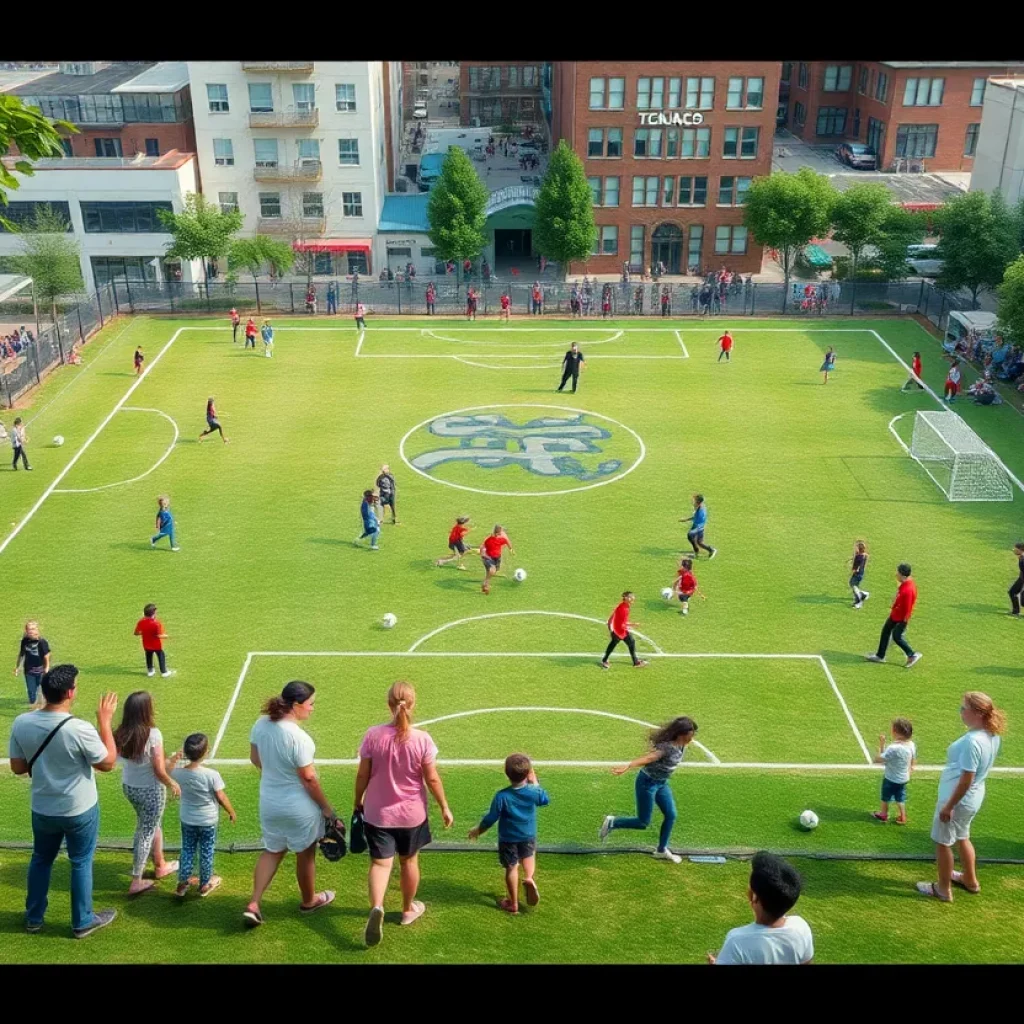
{"x":956,"y":458}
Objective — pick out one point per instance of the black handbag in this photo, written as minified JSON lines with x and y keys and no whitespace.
{"x":357,"y":833}
{"x":332,"y":843}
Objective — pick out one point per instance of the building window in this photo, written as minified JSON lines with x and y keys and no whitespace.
{"x":65,"y":144}
{"x":831,"y":121}
{"x":152,"y":147}
{"x":304,"y":95}
{"x":675,"y":92}
{"x":611,"y":192}
{"x":223,"y":153}
{"x":672,"y":143}
{"x":837,"y":78}
{"x":732,"y":190}
{"x":645,"y":191}
{"x":668,"y":191}
{"x":348,"y":152}
{"x":266,"y":152}
{"x":882,"y":87}
{"x":24,"y":213}
{"x":802,"y":76}
{"x":614,"y":142}
{"x":270,"y":205}
{"x":924,"y":92}
{"x":595,"y":142}
{"x":693,"y":248}
{"x":636,"y":245}
{"x":597,"y":93}
{"x":228,"y":202}
{"x":313,"y":205}
{"x":730,"y":239}
{"x":978,"y":92}
{"x":357,"y":263}
{"x":700,"y":93}
{"x":616,"y":93}
{"x":696,"y":143}
{"x":862,"y":80}
{"x":595,"y":190}
{"x":641,"y":140}
{"x":745,"y":94}
{"x":108,"y":147}
{"x":134,"y":269}
{"x":352,"y":204}
{"x":643,"y":93}
{"x":740,"y":142}
{"x":217,"y":95}
{"x":693,"y":191}
{"x":261,"y":99}
{"x":530,"y":76}
{"x":971,"y":140}
{"x":916,"y":140}
{"x":799,"y":113}
{"x":609,"y":239}
{"x":123,"y":217}
{"x":345,"y":97}
{"x":309,"y":151}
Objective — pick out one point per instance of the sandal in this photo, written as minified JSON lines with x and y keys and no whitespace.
{"x":418,"y":910}
{"x":170,"y":868}
{"x":145,"y":887}
{"x":252,"y":918}
{"x":532,"y":892}
{"x":213,"y":883}
{"x":508,"y":906}
{"x":182,"y":890}
{"x":321,"y":899}
{"x":958,"y":881}
{"x":930,"y":889}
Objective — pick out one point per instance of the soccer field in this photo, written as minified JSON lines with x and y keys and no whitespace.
{"x":269,"y":586}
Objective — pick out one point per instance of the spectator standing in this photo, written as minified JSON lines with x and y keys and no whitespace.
{"x":537,"y":299}
{"x":1016,"y":588}
{"x":33,"y":659}
{"x":310,"y":300}
{"x":18,"y":441}
{"x":431,"y":298}
{"x":387,"y":489}
{"x":235,"y":321}
{"x":332,"y":298}
{"x":59,"y":753}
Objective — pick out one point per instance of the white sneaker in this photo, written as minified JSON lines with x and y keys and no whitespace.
{"x":914,"y":659}
{"x":714,"y":551}
{"x":606,"y":827}
{"x":175,"y":549}
{"x":686,"y":611}
{"x":667,"y":854}
{"x":150,"y":672}
{"x":173,"y":672}
{"x":864,"y":595}
{"x":874,"y":657}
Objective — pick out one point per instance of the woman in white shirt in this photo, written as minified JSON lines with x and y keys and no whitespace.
{"x":293,"y":808}
{"x":961,"y":793}
{"x":145,"y":782}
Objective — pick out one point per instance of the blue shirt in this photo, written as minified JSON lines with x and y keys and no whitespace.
{"x":514,"y":808}
{"x":700,"y":517}
{"x":268,"y":334}
{"x":369,"y":516}
{"x":164,"y":518}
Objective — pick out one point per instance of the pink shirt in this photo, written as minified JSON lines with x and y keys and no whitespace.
{"x":396,"y":796}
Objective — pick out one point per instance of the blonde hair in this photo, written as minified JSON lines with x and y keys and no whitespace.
{"x":402,"y":700}
{"x":163,"y":500}
{"x":981,"y":704}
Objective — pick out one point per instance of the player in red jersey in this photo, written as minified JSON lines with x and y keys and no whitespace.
{"x":685,"y":586}
{"x":725,"y":344}
{"x":490,"y":553}
{"x":457,"y":543}
{"x":619,"y":625}
{"x":235,"y":321}
{"x":915,"y":377}
{"x":506,"y":304}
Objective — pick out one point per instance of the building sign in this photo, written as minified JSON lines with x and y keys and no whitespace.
{"x":673,"y":117}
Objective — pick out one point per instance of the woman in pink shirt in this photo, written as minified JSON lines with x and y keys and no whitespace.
{"x":397,"y":764}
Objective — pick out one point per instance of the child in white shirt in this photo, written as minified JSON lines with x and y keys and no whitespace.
{"x":899,"y":758}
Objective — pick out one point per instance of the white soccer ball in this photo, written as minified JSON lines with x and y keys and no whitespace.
{"x":666,"y":593}
{"x":389,"y":621}
{"x":809,"y":820}
{"x":58,"y":440}
{"x":519,"y":575}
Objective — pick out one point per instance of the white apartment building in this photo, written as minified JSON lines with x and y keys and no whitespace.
{"x":999,"y":159}
{"x":305,"y":150}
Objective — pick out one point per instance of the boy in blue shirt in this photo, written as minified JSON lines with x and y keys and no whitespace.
{"x":514,"y":808}
{"x":695,"y":535}
{"x":267,"y":333}
{"x":371,"y":527}
{"x":164,"y":523}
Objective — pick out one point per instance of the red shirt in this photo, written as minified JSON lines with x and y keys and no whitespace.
{"x":505,"y":302}
{"x":150,"y":630}
{"x":726,"y":342}
{"x":619,"y":622}
{"x":687,"y":581}
{"x":903,"y":606}
{"x":250,"y":328}
{"x":235,"y":318}
{"x":493,"y":545}
{"x":458,"y":532}
{"x":917,"y":365}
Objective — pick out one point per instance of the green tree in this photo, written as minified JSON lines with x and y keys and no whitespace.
{"x":564,"y":225}
{"x":979,"y":236}
{"x":35,"y":137}
{"x":455,"y":209}
{"x":785,"y":211}
{"x":1011,"y":301}
{"x":253,"y":254}
{"x":899,"y":229}
{"x":200,"y":232}
{"x":858,"y":216}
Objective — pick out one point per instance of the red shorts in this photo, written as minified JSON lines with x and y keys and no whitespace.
{"x":955,"y":388}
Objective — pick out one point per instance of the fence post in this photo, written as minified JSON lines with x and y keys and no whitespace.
{"x":399,"y":298}
{"x":60,"y":347}
{"x":753,"y":296}
{"x":291,"y":294}
{"x":81,"y":329}
{"x":920,"y":295}
{"x":853,"y":294}
{"x":128,"y":287}
{"x":113,"y":290}
{"x":99,"y":305}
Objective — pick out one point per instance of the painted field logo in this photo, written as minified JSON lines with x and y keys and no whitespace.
{"x":522,"y":449}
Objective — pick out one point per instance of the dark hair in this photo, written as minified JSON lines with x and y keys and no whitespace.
{"x":687,"y":563}
{"x":627,"y":593}
{"x":1019,"y":545}
{"x":517,"y":767}
{"x":58,"y":683}
{"x":775,"y":883}
{"x":677,"y":727}
{"x":699,"y":498}
{"x":17,"y":420}
{"x":149,"y":611}
{"x":903,"y":727}
{"x":132,"y":735}
{"x":367,"y":495}
{"x":903,"y":568}
{"x":917,"y":355}
{"x":195,"y":746}
{"x":295,"y":692}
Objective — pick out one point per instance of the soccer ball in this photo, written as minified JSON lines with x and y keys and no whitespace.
{"x":667,"y":593}
{"x":58,"y":440}
{"x":519,"y":575}
{"x":809,"y":820}
{"x":389,"y":621}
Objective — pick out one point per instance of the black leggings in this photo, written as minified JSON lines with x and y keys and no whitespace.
{"x":19,"y":453}
{"x":697,"y":542}
{"x":160,"y":657}
{"x":566,"y":377}
{"x":616,"y":640}
{"x":213,"y":428}
{"x":1015,"y":592}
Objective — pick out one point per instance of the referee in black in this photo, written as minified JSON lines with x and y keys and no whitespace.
{"x":571,"y":366}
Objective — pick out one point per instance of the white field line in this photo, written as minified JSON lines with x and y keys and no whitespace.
{"x":231,"y":704}
{"x":541,"y":345}
{"x":135,"y":479}
{"x":359,"y":345}
{"x":487,"y":366}
{"x":679,"y":338}
{"x":519,"y":654}
{"x":85,"y":447}
{"x":385,"y":326}
{"x":499,"y":354}
{"x":846,"y":711}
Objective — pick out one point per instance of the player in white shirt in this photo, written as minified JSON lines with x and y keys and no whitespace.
{"x":899,"y":758}
{"x":774,"y":937}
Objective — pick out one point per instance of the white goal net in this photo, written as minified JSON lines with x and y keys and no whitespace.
{"x":953,"y":455}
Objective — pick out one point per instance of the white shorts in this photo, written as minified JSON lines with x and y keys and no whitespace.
{"x":291,"y":832}
{"x":946,"y":833}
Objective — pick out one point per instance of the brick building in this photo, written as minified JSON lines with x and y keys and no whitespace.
{"x":494,"y":94}
{"x":924,"y":112}
{"x":670,"y":149}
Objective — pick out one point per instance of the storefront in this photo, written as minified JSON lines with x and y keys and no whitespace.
{"x":337,"y":257}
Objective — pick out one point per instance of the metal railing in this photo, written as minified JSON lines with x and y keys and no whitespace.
{"x":292,"y":225}
{"x":284,"y":118}
{"x":277,"y":65}
{"x":511,"y":195}
{"x":307,"y":170}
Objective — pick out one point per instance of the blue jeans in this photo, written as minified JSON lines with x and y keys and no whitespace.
{"x":373,"y":532}
{"x":80,"y":832}
{"x":648,"y":793}
{"x":167,"y":531}
{"x":32,"y":680}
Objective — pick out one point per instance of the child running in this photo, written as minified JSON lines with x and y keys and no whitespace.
{"x":151,"y":629}
{"x":212,"y":423}
{"x":250,"y":334}
{"x":899,"y":758}
{"x":267,"y":333}
{"x":490,"y":554}
{"x":725,"y":345}
{"x":514,"y":808}
{"x":858,"y":566}
{"x":952,"y":388}
{"x":360,"y":316}
{"x":202,"y":790}
{"x":695,"y":535}
{"x":668,"y":746}
{"x":915,"y":375}
{"x":457,"y":544}
{"x":371,"y":526}
{"x":164,"y":523}
{"x":685,"y":586}
{"x":830,"y":363}
{"x":139,"y":359}
{"x":618,"y":626}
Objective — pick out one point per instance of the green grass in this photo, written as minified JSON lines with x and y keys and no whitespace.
{"x":793,"y":471}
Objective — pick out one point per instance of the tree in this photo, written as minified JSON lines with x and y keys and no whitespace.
{"x":200,"y":232}
{"x":564,"y":213}
{"x":1011,"y":301}
{"x":858,"y":216}
{"x":253,"y":254}
{"x":979,"y":236}
{"x":35,"y":137}
{"x":900,"y":228}
{"x":785,"y":211}
{"x":456,"y":208}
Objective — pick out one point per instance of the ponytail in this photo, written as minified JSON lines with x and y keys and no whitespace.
{"x":401,"y":701}
{"x":295,"y":692}
{"x":981,"y":704}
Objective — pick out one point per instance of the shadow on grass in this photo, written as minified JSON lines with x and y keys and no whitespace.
{"x":329,"y":541}
{"x":980,"y":609}
{"x":844,"y":658}
{"x":821,"y":599}
{"x":999,"y":670}
{"x":113,"y":670}
{"x":663,"y":552}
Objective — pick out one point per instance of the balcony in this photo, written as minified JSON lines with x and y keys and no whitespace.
{"x":284,"y":119}
{"x":293,"y":67}
{"x":294,"y":227}
{"x":305,"y":170}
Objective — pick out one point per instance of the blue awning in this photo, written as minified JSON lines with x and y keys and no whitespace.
{"x":405,"y":213}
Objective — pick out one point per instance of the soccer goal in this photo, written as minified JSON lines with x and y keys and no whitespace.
{"x":953,"y":455}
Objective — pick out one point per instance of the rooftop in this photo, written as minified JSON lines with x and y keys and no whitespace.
{"x":405,"y":213}
{"x":10,"y":80}
{"x":167,"y":76}
{"x":169,"y":161}
{"x":1008,"y":83}
{"x":904,"y":188}
{"x":953,"y":63}
{"x":104,"y":81}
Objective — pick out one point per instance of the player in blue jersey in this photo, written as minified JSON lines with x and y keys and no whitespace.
{"x":695,"y":535}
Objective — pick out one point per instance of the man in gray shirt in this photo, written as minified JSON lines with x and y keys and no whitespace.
{"x":59,"y":752}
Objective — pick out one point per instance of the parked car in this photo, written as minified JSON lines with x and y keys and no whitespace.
{"x":855,"y":154}
{"x":420,"y":112}
{"x":923,"y":260}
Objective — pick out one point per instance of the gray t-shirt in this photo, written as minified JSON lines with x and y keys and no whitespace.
{"x":63,"y":784}
{"x":139,"y":773}
{"x":669,"y":759}
{"x":199,"y":788}
{"x":898,"y":758}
